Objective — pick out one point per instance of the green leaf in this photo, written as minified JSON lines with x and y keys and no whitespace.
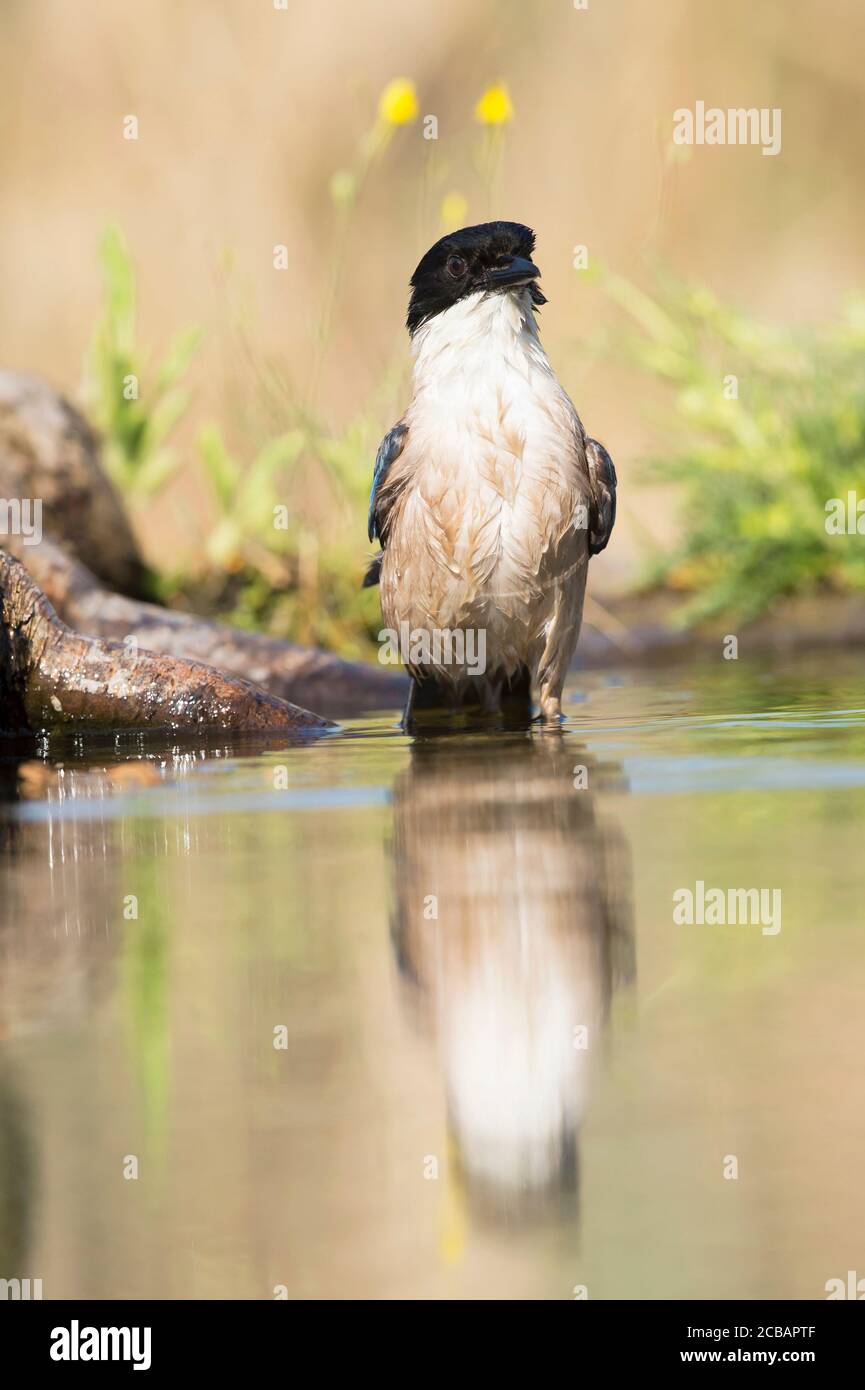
{"x":222,"y":472}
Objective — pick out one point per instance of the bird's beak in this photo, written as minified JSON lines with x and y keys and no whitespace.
{"x":519,"y":272}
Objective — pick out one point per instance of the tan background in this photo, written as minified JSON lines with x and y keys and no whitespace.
{"x":245,"y":112}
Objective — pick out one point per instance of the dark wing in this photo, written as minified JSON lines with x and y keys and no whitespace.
{"x":373,"y":572}
{"x":389,"y":449}
{"x":602,"y":509}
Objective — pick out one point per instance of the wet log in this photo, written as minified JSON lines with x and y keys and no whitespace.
{"x":49,"y":455}
{"x":51,"y":678}
{"x":302,"y":675}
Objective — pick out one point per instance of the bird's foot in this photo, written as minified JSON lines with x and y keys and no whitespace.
{"x":551,"y":710}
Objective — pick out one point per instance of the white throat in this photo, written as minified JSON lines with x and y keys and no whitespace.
{"x":476,"y":333}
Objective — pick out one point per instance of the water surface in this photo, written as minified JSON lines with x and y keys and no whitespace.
{"x":398,"y":1018}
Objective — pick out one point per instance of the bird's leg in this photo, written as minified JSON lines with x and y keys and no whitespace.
{"x":551,"y":701}
{"x":425,"y":695}
{"x":563,"y":631}
{"x":491,"y":696}
{"x":409,"y":705}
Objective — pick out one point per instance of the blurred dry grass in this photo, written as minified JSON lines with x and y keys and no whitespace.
{"x":246,"y":112}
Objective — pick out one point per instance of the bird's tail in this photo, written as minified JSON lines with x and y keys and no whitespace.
{"x":373,"y":574}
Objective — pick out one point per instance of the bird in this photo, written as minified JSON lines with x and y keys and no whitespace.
{"x":488,"y":497}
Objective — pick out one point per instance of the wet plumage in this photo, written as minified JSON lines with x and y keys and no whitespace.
{"x":488,"y":497}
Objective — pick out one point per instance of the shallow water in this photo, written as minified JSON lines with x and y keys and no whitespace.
{"x":375,"y":1017}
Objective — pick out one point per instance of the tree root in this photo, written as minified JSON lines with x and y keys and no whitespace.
{"x":52,"y":678}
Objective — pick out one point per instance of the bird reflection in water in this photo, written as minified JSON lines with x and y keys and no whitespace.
{"x":511,"y":928}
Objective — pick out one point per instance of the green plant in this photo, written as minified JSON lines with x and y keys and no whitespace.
{"x":247,"y":497}
{"x":767,"y":428}
{"x":137,"y":407}
{"x":284,"y":553}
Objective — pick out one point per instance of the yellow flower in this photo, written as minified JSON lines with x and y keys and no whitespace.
{"x":398,"y":102}
{"x":453,"y":211}
{"x":494,"y":107}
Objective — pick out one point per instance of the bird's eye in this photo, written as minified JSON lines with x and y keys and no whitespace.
{"x":456,"y":267}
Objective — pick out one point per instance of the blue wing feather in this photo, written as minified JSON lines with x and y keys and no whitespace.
{"x":390,"y":448}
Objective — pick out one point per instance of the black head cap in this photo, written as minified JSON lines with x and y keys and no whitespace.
{"x":494,"y":257}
